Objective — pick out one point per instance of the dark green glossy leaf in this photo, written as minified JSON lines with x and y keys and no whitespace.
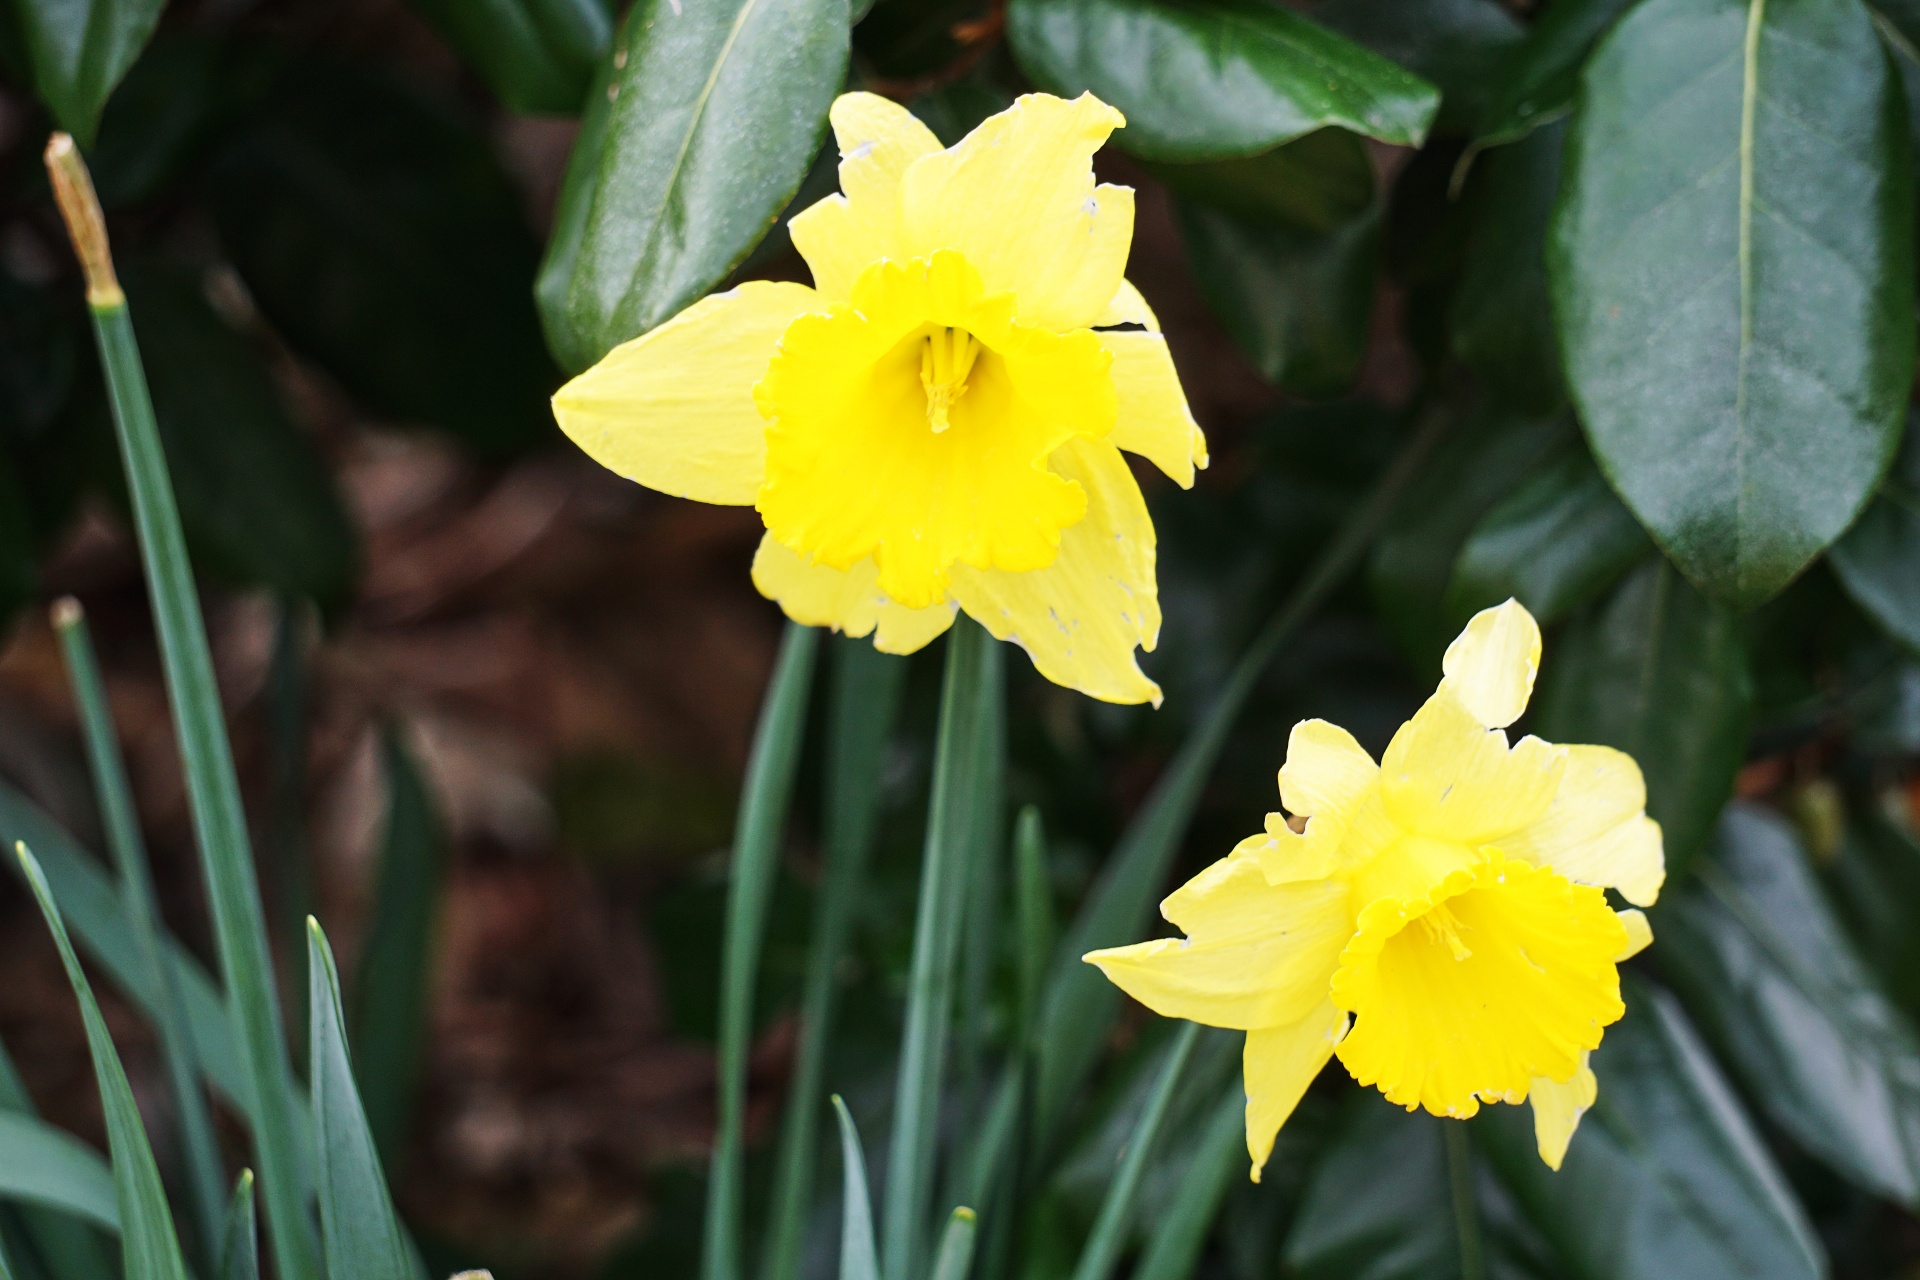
{"x":257,"y":500}
{"x":1298,"y":304}
{"x":1878,"y":561}
{"x":40,"y":1164}
{"x":1559,"y":540}
{"x":1666,"y":1176}
{"x":148,"y":1245}
{"x":1763,"y":964}
{"x":1216,"y":78}
{"x":1735,"y":293}
{"x":362,"y":1235}
{"x":161,"y":117}
{"x":1484,"y":459}
{"x":1661,"y":673}
{"x":1456,"y":44}
{"x":390,"y":1008}
{"x":1315,"y":184}
{"x":1501,"y":318}
{"x":79,"y":50}
{"x":383,"y":240}
{"x":1536,"y":81}
{"x":709,"y":117}
{"x":537,"y":55}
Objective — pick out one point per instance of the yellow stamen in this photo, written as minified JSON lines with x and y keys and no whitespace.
{"x":1441,"y":926}
{"x":945,"y":362}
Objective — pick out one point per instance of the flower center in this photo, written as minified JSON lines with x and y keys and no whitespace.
{"x":1440,"y":925}
{"x":946,"y":358}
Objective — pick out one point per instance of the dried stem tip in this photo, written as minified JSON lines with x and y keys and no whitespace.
{"x":86,"y":227}
{"x":66,"y":612}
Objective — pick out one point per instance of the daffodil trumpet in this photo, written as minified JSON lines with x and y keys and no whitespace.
{"x":1438,"y":921}
{"x":936,"y":425}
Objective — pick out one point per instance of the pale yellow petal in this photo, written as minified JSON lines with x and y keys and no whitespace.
{"x":847,"y":600}
{"x":1017,"y":196}
{"x":1639,"y":933}
{"x":1256,"y":955}
{"x":1153,"y":420}
{"x":1448,"y":777}
{"x":1128,"y":307}
{"x":1557,"y":1108}
{"x":1596,"y":831}
{"x":1491,"y":665}
{"x":1327,"y":770}
{"x":673,"y":409}
{"x":1081,"y":617}
{"x":840,"y":235}
{"x":1279,"y":1063}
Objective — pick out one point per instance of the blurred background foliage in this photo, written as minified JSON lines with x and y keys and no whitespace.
{"x":1646,"y":266}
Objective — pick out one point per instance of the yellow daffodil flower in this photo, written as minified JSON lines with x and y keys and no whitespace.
{"x":937,"y":423}
{"x":1437,"y":920}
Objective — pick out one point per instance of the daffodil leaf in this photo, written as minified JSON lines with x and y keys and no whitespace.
{"x":701,"y":127}
{"x":258,"y":502}
{"x":1500,"y":318}
{"x":1666,"y":1175}
{"x":1557,"y":541}
{"x":1178,"y":1234}
{"x":42,"y":1165}
{"x":1456,"y":44}
{"x":383,"y":240}
{"x":1214,"y":79}
{"x":536,"y":55}
{"x":80,"y":49}
{"x":1661,"y":673}
{"x":1878,"y":561}
{"x":70,"y":1248}
{"x":1536,"y":81}
{"x":1756,"y":951}
{"x":1743,"y":422}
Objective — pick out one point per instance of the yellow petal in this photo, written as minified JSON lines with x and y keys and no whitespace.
{"x":1279,"y":1064}
{"x":1448,"y":777}
{"x":1327,"y":770}
{"x":847,"y":600}
{"x":1491,"y":665}
{"x":1596,"y":831}
{"x":1507,"y":975}
{"x":1557,"y":1108}
{"x":1017,"y":197}
{"x":1256,"y":955}
{"x":840,"y":235}
{"x":1639,"y":933}
{"x":1080,"y":618}
{"x":1128,"y":307}
{"x":673,"y":409}
{"x":1153,"y":419}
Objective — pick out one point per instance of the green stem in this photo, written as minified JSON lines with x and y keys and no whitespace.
{"x":1466,"y":1212}
{"x":756,"y":850}
{"x":205,"y":1177}
{"x":867,"y":686}
{"x":1110,"y":1229}
{"x":952,"y":821}
{"x":213,"y":793}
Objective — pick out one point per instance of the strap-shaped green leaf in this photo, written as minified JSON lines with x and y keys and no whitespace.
{"x":955,"y":1255}
{"x":1216,"y":78}
{"x":859,"y":1260}
{"x":1733,"y":277}
{"x":357,"y":1222}
{"x":240,"y":1244}
{"x":147,"y":1241}
{"x":40,"y":1164}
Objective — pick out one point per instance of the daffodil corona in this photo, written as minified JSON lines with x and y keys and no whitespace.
{"x":1438,"y":920}
{"x":936,"y":424}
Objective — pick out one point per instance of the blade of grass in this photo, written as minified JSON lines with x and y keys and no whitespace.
{"x":240,"y":1249}
{"x":858,"y":1258}
{"x":213,"y":792}
{"x":148,"y":1245}
{"x":952,"y":820}
{"x":390,"y":989}
{"x":1179,"y":1235}
{"x":756,"y":852}
{"x":91,"y":905}
{"x":1079,"y":1003}
{"x":192,"y":1118}
{"x":956,"y":1246}
{"x":357,"y":1223}
{"x":1111,"y":1228}
{"x":866,"y":699}
{"x":67,"y":1248}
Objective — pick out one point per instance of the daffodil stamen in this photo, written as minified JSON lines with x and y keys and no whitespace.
{"x":945,"y":361}
{"x":1440,"y":925}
